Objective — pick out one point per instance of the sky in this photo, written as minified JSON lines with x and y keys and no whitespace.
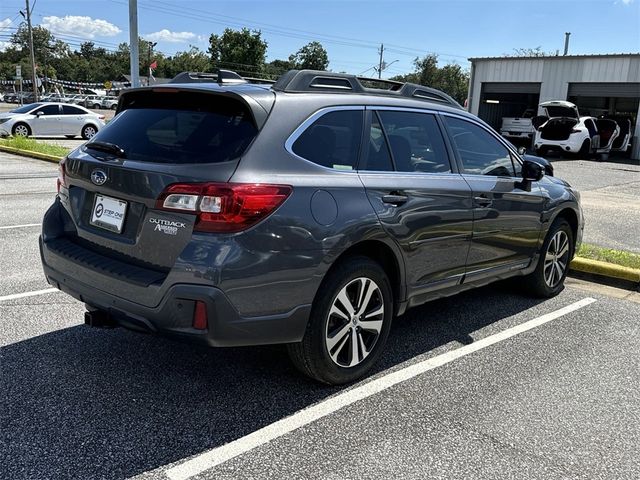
{"x":351,"y":30}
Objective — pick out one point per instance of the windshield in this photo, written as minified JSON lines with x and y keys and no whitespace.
{"x":26,"y":108}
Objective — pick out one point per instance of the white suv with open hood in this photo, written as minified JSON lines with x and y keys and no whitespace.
{"x":563,"y":129}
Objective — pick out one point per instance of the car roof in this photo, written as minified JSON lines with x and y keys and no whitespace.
{"x":258,"y":91}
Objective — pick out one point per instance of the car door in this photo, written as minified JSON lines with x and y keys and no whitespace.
{"x":507,"y":219}
{"x":73,"y":119}
{"x":420,"y":200}
{"x":46,"y":120}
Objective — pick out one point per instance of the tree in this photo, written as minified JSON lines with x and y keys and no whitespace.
{"x":530,"y":52}
{"x":451,"y":78}
{"x":243,"y":51}
{"x":192,"y":60}
{"x":276,"y":68}
{"x":312,"y":56}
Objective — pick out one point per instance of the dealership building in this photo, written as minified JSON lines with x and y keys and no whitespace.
{"x":598,"y":84}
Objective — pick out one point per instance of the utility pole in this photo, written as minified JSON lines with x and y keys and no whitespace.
{"x":133,"y":43}
{"x":381,"y":60}
{"x":33,"y":57}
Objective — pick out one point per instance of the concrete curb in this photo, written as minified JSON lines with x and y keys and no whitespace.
{"x":28,"y":153}
{"x":606,"y":269}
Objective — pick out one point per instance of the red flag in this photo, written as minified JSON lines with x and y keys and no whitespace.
{"x":154,"y":65}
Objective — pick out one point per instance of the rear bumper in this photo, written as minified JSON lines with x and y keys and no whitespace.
{"x":173,"y":316}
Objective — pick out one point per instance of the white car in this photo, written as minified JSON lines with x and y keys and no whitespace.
{"x":50,"y":119}
{"x":564,"y":130}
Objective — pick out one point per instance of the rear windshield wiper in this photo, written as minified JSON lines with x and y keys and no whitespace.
{"x":106,"y":147}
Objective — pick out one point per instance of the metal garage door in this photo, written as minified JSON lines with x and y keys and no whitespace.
{"x":510,"y":87}
{"x":624,"y":90}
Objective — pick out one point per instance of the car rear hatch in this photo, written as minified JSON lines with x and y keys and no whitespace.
{"x":117,"y":187}
{"x":558,"y":128}
{"x":560,"y":108}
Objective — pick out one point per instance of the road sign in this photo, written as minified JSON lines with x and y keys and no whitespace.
{"x":107,"y":85}
{"x":18,"y":71}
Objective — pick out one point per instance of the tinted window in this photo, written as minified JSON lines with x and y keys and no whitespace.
{"x":25,"y":108}
{"x":184,"y":128}
{"x":377,"y":157}
{"x":69,"y":110}
{"x":416,"y":142}
{"x":480,"y":152}
{"x":333,"y":140}
{"x":48,"y":110}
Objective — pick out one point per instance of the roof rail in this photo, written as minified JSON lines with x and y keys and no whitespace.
{"x":298,"y":81}
{"x":221,"y":77}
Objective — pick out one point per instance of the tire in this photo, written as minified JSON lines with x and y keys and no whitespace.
{"x":547,"y":280}
{"x":88,"y":131}
{"x":21,"y":130}
{"x":584,"y":149}
{"x":331,"y":328}
{"x":96,"y":106}
{"x":114,"y":107}
{"x":541,"y":152}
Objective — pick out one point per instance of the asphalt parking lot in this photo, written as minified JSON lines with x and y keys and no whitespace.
{"x":488,"y":384}
{"x":610,"y":195}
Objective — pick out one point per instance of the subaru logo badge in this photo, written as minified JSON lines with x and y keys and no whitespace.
{"x":98,"y":177}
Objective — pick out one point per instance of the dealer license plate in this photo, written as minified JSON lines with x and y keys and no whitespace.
{"x":108,"y":213}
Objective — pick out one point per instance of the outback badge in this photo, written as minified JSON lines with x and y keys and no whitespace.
{"x":98,"y":177}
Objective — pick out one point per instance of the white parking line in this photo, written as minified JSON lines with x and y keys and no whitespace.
{"x":28,"y":294}
{"x":20,"y":226}
{"x":219,"y":455}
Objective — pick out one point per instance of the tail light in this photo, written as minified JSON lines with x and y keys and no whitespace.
{"x":200,"y":320}
{"x":223,"y":207}
{"x":60,"y":181}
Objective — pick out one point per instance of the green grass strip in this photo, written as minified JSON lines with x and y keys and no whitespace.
{"x":617,"y":257}
{"x":32,"y":145}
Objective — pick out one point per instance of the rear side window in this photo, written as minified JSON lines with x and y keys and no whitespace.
{"x":416,"y":142}
{"x":480,"y":152}
{"x":333,"y":140}
{"x":69,"y":110}
{"x":181,"y":127}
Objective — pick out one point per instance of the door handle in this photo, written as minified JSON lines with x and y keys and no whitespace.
{"x":395,"y":198}
{"x":482,"y":201}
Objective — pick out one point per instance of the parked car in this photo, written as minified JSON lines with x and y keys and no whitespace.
{"x":518,"y":127}
{"x":307,"y":213}
{"x":109,"y":103}
{"x":50,"y":119}
{"x":93,"y":101}
{"x":565,"y":131}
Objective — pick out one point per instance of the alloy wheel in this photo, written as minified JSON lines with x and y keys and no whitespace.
{"x":89,"y":132}
{"x":354,"y":322}
{"x":21,"y":131}
{"x":556,"y":259}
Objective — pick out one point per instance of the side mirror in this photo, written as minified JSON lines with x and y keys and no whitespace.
{"x":39,"y":114}
{"x":522,"y":150}
{"x":531,"y":172}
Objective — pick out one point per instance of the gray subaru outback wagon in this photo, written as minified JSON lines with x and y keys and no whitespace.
{"x":309,"y":212}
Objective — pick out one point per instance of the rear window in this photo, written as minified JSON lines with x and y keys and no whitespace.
{"x":181,"y":127}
